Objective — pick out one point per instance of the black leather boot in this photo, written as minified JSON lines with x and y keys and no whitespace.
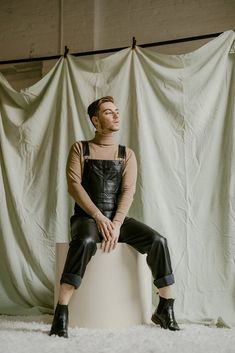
{"x":59,"y":325}
{"x":164,"y":315}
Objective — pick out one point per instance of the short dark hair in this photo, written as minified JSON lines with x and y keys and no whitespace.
{"x":94,"y":107}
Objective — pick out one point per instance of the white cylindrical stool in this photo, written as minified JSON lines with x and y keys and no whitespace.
{"x":116,"y":290}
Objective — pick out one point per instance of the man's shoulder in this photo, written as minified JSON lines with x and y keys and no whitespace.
{"x":76,"y":146}
{"x":80,"y":142}
{"x":129,"y":150}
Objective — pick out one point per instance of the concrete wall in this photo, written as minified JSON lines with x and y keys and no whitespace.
{"x":32,"y":28}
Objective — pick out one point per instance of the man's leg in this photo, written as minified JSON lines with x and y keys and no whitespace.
{"x":65,"y":293}
{"x":83,"y":246}
{"x":147,"y":241}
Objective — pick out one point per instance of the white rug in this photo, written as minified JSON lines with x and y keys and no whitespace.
{"x":30,"y":335}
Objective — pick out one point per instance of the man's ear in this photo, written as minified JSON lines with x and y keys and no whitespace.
{"x":94,"y":120}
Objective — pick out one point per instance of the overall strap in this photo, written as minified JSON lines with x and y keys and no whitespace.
{"x":85,"y":148}
{"x":121,"y":151}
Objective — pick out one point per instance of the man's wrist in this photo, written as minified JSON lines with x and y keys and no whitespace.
{"x":97,"y":215}
{"x":117,"y":223}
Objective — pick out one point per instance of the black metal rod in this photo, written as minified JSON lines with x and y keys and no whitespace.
{"x":104,"y":51}
{"x":180,"y":40}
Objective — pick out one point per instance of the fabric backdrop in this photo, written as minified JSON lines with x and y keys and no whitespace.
{"x":178,"y":115}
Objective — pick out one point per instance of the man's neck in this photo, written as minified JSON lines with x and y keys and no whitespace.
{"x":104,"y":139}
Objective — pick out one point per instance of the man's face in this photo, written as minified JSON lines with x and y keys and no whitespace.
{"x":108,"y":119}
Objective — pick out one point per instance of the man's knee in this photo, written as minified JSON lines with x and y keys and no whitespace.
{"x":158,"y":240}
{"x":88,"y":242}
{"x":84,"y":242}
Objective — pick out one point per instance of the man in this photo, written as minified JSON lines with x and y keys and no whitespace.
{"x":101,"y":178}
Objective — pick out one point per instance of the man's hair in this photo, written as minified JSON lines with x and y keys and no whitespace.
{"x":94,"y":107}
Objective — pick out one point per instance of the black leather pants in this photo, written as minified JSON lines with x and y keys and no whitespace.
{"x":144,"y":239}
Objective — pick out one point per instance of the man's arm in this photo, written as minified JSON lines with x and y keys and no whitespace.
{"x":74,"y":171}
{"x":128,"y":187}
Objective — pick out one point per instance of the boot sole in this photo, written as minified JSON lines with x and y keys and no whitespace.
{"x":157,"y":321}
{"x":59,"y":333}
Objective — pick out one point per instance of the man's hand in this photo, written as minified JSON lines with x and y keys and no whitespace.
{"x":111,"y":244}
{"x":105,"y":226}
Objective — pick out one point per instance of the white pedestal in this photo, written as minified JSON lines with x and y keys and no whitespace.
{"x":116,"y":290}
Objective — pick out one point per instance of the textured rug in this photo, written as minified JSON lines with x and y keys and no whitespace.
{"x":30,"y":335}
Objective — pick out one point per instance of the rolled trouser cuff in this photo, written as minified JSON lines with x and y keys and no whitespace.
{"x":164,"y":281}
{"x":72,"y":279}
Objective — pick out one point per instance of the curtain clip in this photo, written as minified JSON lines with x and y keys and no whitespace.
{"x":133,"y":42}
{"x":66,"y":50}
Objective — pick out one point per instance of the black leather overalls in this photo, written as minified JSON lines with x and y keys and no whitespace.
{"x":102,"y":181}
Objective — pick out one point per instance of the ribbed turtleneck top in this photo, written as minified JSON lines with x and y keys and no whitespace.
{"x":102,"y":146}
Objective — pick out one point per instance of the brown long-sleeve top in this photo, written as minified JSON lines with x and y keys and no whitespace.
{"x":104,"y":147}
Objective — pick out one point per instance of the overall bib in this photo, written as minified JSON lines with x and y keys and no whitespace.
{"x":102,"y":181}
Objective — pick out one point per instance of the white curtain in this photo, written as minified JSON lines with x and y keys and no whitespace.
{"x":178,"y":115}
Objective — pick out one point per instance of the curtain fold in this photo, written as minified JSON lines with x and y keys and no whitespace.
{"x":177,"y":114}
